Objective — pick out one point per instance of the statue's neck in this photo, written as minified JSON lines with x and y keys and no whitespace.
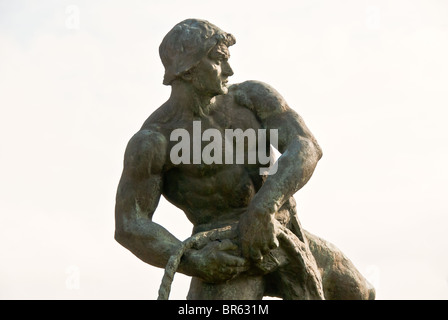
{"x":188,"y":101}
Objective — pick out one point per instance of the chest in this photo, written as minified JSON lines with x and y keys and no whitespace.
{"x":228,"y":135}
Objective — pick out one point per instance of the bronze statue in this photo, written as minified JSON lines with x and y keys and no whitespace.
{"x":204,"y":151}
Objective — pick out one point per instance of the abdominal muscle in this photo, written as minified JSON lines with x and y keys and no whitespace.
{"x":212,"y":200}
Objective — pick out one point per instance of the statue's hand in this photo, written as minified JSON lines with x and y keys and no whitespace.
{"x":257,"y":234}
{"x":217,"y":261}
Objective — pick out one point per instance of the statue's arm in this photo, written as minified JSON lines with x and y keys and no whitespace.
{"x":300,"y":154}
{"x":138,"y":194}
{"x":300,"y":150}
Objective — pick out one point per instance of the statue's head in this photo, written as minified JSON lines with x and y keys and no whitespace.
{"x":186,"y":45}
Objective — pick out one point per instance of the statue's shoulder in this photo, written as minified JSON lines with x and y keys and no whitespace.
{"x":259,"y":97}
{"x":149,"y":136}
{"x":147,"y":146}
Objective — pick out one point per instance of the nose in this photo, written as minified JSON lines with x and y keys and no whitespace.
{"x":227,"y":70}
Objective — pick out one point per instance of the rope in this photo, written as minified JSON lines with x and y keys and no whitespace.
{"x":299,"y":249}
{"x":198,"y":240}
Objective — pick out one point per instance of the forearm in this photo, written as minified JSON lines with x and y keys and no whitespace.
{"x":148,"y":240}
{"x":295,"y":167}
{"x":153,"y":244}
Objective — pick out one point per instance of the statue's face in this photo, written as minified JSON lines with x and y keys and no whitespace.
{"x":210,"y":75}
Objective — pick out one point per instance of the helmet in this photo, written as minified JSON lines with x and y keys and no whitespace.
{"x":187,"y":43}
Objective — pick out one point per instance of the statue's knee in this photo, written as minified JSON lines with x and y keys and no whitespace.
{"x":371,"y":293}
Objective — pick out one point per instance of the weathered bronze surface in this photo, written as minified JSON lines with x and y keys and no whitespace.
{"x":247,"y":241}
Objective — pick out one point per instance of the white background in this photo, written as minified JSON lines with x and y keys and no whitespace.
{"x":78,"y":78}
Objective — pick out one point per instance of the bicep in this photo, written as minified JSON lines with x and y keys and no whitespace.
{"x":274,"y":114}
{"x":140,"y":185}
{"x":290,"y":128}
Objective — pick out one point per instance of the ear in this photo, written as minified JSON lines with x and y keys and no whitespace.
{"x":187,"y":75}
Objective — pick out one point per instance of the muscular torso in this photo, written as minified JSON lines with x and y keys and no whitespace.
{"x":212,"y":195}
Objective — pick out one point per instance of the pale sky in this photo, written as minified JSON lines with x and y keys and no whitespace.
{"x":78,"y":78}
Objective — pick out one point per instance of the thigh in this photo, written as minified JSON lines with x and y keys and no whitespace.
{"x":243,"y":287}
{"x":340,"y":278}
